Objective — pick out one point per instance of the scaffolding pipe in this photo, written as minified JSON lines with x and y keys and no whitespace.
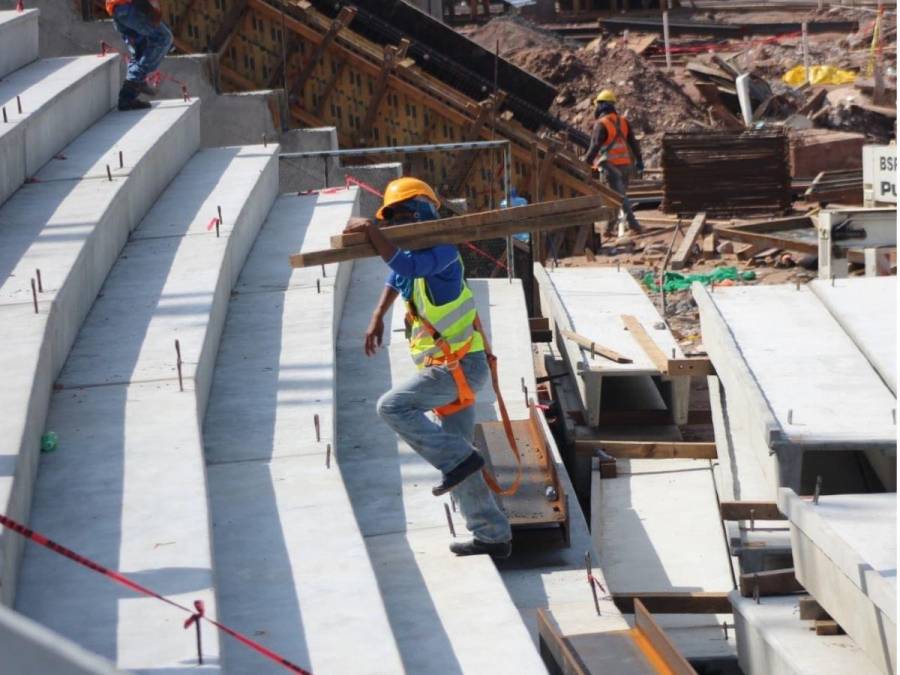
{"x":400,"y":149}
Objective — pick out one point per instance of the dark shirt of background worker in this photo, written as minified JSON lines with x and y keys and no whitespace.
{"x":614,"y":151}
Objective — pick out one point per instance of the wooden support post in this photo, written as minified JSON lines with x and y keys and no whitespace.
{"x":228,"y":27}
{"x":329,"y":88}
{"x":392,"y":56}
{"x":679,"y":260}
{"x":341,"y":21}
{"x":465,"y":160}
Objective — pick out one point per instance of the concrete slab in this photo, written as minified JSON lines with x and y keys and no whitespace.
{"x":122,"y":488}
{"x":466,"y":627}
{"x":866,"y":308}
{"x":773,"y":640}
{"x":591,"y":302}
{"x":287,"y":547}
{"x":804,"y":384}
{"x":71,"y":226}
{"x":845,"y":555}
{"x":59,"y":99}
{"x":19,"y":37}
{"x":28,"y":647}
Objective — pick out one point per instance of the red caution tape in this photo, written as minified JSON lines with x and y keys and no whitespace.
{"x":20,"y":6}
{"x":350,"y":180}
{"x":213,"y":223}
{"x":196,"y":615}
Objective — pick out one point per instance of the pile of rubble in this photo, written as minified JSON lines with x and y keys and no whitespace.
{"x":653,"y":102}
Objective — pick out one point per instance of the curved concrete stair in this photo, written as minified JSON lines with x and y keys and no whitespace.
{"x":19,"y":39}
{"x":60,"y":98}
{"x":448,"y":614}
{"x":71,"y":225}
{"x":127,"y":485}
{"x":291,"y":564}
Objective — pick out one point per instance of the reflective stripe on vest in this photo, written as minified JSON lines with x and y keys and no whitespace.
{"x":453,"y":320}
{"x":616,"y":148}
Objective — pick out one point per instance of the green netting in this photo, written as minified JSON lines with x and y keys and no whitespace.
{"x":681,"y":282}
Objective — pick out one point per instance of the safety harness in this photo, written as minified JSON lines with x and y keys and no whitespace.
{"x":465,"y":396}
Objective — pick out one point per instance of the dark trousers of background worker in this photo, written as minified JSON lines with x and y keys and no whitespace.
{"x":618,"y":177}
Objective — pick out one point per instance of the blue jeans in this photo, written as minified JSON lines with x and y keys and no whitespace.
{"x":446,"y":444}
{"x":147,"y":44}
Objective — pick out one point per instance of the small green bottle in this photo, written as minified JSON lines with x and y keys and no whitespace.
{"x":49,"y":441}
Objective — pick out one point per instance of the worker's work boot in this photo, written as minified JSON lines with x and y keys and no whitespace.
{"x":498,"y":551}
{"x":128,"y":97}
{"x":469,"y":465}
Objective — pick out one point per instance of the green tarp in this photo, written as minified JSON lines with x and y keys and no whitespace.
{"x":681,"y":282}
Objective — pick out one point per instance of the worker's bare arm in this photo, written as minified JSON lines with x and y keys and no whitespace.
{"x":375,"y":331}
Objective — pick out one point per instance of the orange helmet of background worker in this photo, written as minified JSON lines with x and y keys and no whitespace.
{"x":402,"y":189}
{"x":606,"y":96}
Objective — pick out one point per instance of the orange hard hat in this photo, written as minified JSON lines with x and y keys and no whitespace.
{"x":402,"y":189}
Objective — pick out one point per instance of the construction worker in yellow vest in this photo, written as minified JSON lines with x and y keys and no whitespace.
{"x":449,"y":348}
{"x":614,"y":151}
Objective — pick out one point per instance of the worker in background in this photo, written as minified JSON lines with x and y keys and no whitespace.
{"x":614,"y":151}
{"x":139,"y":22}
{"x":448,"y":347}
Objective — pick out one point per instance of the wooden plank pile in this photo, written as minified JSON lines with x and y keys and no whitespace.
{"x":726,"y":173}
{"x":577,"y":211}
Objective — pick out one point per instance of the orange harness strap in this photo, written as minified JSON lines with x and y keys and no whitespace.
{"x":466,"y":397}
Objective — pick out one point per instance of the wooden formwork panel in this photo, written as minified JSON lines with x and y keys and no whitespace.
{"x":349,"y":79}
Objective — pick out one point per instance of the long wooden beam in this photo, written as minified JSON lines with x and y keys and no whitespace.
{"x":665,"y":365}
{"x":462,"y":165}
{"x":662,"y":644}
{"x":696,"y":602}
{"x":679,"y":260}
{"x":228,"y":26}
{"x":392,"y":57}
{"x":484,"y":225}
{"x":647,"y":449}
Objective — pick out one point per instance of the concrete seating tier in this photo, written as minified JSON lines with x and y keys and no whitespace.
{"x":71,"y":225}
{"x":127,"y":485}
{"x":19,"y":37}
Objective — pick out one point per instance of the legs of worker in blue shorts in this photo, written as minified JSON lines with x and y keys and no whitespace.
{"x":446,"y":443}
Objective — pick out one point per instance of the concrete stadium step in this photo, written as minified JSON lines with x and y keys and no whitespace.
{"x":291,"y":564}
{"x":127,"y":485}
{"x":18,"y":39}
{"x":71,"y":225}
{"x":455,"y":612}
{"x":59,"y":99}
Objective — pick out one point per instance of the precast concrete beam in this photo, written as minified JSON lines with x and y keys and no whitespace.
{"x":18,"y":39}
{"x":48,"y":104}
{"x":845,"y":555}
{"x":71,"y":225}
{"x":127,"y":486}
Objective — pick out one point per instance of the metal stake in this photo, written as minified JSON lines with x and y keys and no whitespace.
{"x":449,"y":520}
{"x":318,"y":286}
{"x":832,"y":280}
{"x":756,"y":588}
{"x":178,"y":364}
{"x":328,"y":456}
{"x":34,"y":296}
{"x":121,"y":160}
{"x":19,"y":104}
{"x":752,"y":519}
{"x":219,"y":212}
{"x":39,"y":281}
{"x":818,"y":490}
{"x":5,"y":120}
{"x":218,"y":222}
{"x":725,"y":629}
{"x":316,"y":424}
{"x":791,"y":416}
{"x":108,"y":173}
{"x":590,"y":580}
{"x":324,"y":274}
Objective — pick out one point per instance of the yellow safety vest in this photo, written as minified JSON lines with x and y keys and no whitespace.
{"x":454,"y":321}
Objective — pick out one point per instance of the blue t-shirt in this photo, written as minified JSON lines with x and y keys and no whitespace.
{"x":440,"y":266}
